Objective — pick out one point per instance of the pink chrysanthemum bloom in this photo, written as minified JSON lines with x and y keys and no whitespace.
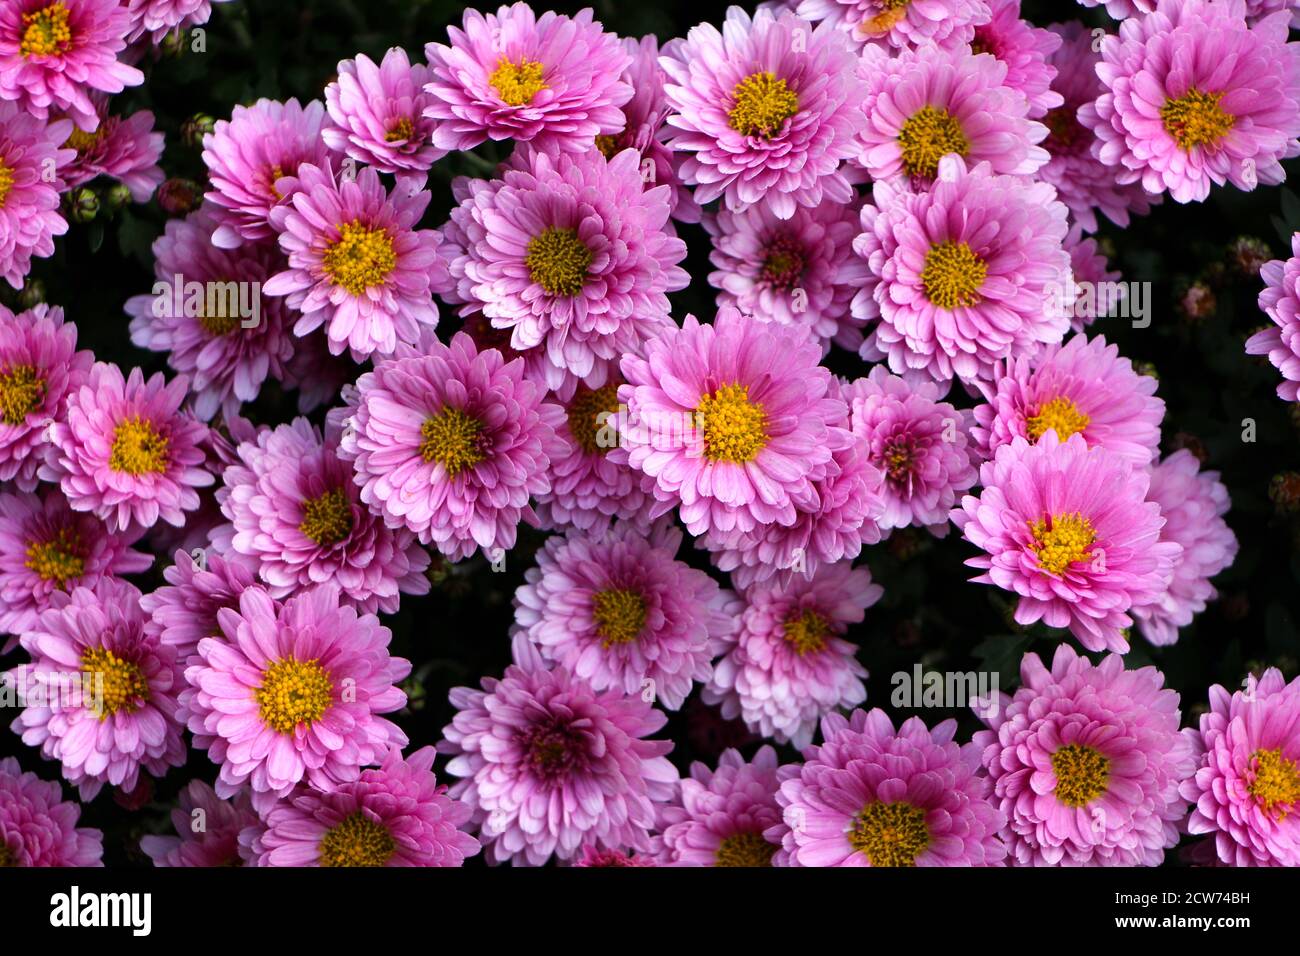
{"x":1098,"y":288}
{"x":551,"y":767}
{"x":1194,"y":96}
{"x":799,"y":271}
{"x":38,"y":827}
{"x":127,"y":452}
{"x":1257,"y":9}
{"x":1193,"y":504}
{"x":788,"y":664}
{"x":515,"y":75}
{"x":292,"y":510}
{"x":719,"y":816}
{"x":1246,"y":789}
{"x":207,"y":829}
{"x":202,"y":327}
{"x":450,"y":445}
{"x":1068,"y":529}
{"x":1086,"y":761}
{"x":378,"y":113}
{"x":160,"y":17}
{"x":100,"y":691}
{"x":394,"y":815}
{"x":872,"y":796}
{"x":292,"y":693}
{"x":29,"y":199}
{"x":53,"y":55}
{"x":765,"y":111}
{"x":39,"y":366}
{"x":959,"y":275}
{"x":593,"y":856}
{"x":1026,"y":50}
{"x":920,"y":444}
{"x":46,"y":547}
{"x":184,"y":610}
{"x":900,"y":24}
{"x":619,"y":611}
{"x":1280,"y":300}
{"x":253,"y":161}
{"x":1084,"y":387}
{"x":123,"y":149}
{"x":929,"y":103}
{"x":570,"y":252}
{"x":732,"y":420}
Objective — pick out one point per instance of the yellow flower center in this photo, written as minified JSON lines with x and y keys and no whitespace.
{"x":763,"y":102}
{"x":1081,"y":774}
{"x":517,"y":83}
{"x":744,"y":849}
{"x":61,"y":559}
{"x":293,"y":692}
{"x":327,"y":519}
{"x":116,"y":684}
{"x":584,"y":411}
{"x":356,"y":841}
{"x":735,"y":429}
{"x":7,"y":857}
{"x":899,"y":458}
{"x":927,"y":136}
{"x":608,"y":146}
{"x":1196,"y":119}
{"x":953,"y":275}
{"x":1063,"y":128}
{"x":806,"y":632}
{"x":22,"y":392}
{"x":890,"y":834}
{"x":1061,"y":415}
{"x":783,"y":264}
{"x":360,"y":258}
{"x":47,"y":32}
{"x":6,"y":182}
{"x":558,"y":260}
{"x":1276,"y":783}
{"x":139,"y":448}
{"x":402,"y":129}
{"x":619,"y":615}
{"x":452,"y":439}
{"x":83,"y":142}
{"x":1061,"y":541}
{"x":891,"y":13}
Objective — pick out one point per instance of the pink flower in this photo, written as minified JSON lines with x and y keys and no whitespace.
{"x":215,"y":843}
{"x":29,"y":197}
{"x":160,"y":17}
{"x":184,"y":610}
{"x":901,"y":25}
{"x":378,"y":113}
{"x":1280,"y":300}
{"x":1098,"y":289}
{"x":126,"y":150}
{"x":1026,"y":50}
{"x":38,"y":827}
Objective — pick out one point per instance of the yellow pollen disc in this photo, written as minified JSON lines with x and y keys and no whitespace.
{"x":7,"y":857}
{"x":293,"y":692}
{"x":1196,"y":119}
{"x":735,"y":429}
{"x":274,"y":174}
{"x":1081,"y":774}
{"x":927,"y":136}
{"x":953,"y":275}
{"x":61,"y":559}
{"x":807,"y":632}
{"x":1060,"y":415}
{"x":890,"y":834}
{"x":891,"y":14}
{"x":403,"y":129}
{"x":517,"y":83}
{"x":1063,"y":128}
{"x":22,"y":392}
{"x":83,"y":142}
{"x":763,"y":102}
{"x":327,"y":519}
{"x":452,"y":439}
{"x":121,"y":682}
{"x":783,"y":264}
{"x":899,"y":457}
{"x":360,"y":258}
{"x":1061,"y":541}
{"x":6,"y":182}
{"x":558,"y":260}
{"x":744,"y":849}
{"x":583,"y":411}
{"x":356,"y":841}
{"x":46,"y":32}
{"x":1276,"y":783}
{"x":608,"y":146}
{"x":619,"y":615}
{"x":138,"y":448}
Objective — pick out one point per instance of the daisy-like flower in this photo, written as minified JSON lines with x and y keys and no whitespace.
{"x":394,"y":815}
{"x":125,"y":149}
{"x":160,"y":17}
{"x":1083,"y":387}
{"x":618,"y":611}
{"x":515,"y":75}
{"x":293,"y":693}
{"x":959,"y":274}
{"x":870,"y":795}
{"x":719,"y":816}
{"x":551,"y":767}
{"x":788,"y":664}
{"x":1098,"y":289}
{"x":1123,"y":9}
{"x":919,"y":443}
{"x":126,"y":451}
{"x":1026,"y":50}
{"x":39,"y":366}
{"x":38,"y":827}
{"x":207,"y":829}
{"x":765,"y":111}
{"x":733,"y":421}
{"x":100,"y":692}
{"x":1086,"y":761}
{"x":378,"y":113}
{"x":1193,"y":504}
{"x":570,"y":252}
{"x":29,"y":198}
{"x":900,"y":24}
{"x":1194,"y":97}
{"x":929,"y":103}
{"x":1069,"y":529}
{"x":253,"y":161}
{"x":184,"y":610}
{"x":592,"y":856}
{"x":53,"y":55}
{"x":1280,"y":300}
{"x":1246,"y":788}
{"x":208,"y":313}
{"x":292,"y":510}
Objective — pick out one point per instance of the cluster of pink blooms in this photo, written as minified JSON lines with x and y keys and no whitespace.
{"x":915,"y":183}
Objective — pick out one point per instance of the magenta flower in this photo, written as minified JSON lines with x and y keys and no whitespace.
{"x":123,"y":149}
{"x":378,"y":113}
{"x":592,"y":856}
{"x":1091,"y":273}
{"x":891,"y":24}
{"x":215,"y":843}
{"x":1026,"y":50}
{"x":184,"y":610}
{"x":38,"y":827}
{"x":160,"y":17}
{"x":1068,"y":529}
{"x":515,"y":75}
{"x":1123,"y":9}
{"x":29,"y":199}
{"x":1280,"y":300}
